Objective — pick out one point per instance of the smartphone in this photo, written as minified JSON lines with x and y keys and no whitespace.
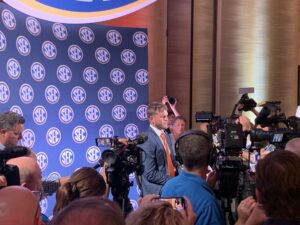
{"x":178,"y":203}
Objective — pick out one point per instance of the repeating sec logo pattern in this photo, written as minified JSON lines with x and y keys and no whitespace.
{"x":70,"y":84}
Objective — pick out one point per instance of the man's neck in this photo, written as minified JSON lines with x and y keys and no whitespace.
{"x":201,"y":172}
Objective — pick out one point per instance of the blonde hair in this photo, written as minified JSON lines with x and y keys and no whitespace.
{"x":158,"y":212}
{"x":155,"y":107}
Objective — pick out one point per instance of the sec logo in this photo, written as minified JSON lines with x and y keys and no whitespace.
{"x":23,"y":46}
{"x":86,"y":35}
{"x":93,"y":154}
{"x":102,"y":55}
{"x":117,"y":76}
{"x":92,"y":113}
{"x":33,"y":26}
{"x":66,"y":157}
{"x":105,"y":95}
{"x":52,"y":94}
{"x":60,"y":31}
{"x":90,"y":75}
{"x":9,"y":19}
{"x":53,"y":136}
{"x":13,"y":68}
{"x":44,"y":205}
{"x":26,"y":93}
{"x":39,"y":115}
{"x":42,"y":160}
{"x":64,"y":74}
{"x":75,"y":53}
{"x":114,"y":37}
{"x":130,"y":95}
{"x":119,"y":113}
{"x":141,"y":112}
{"x":66,"y":114}
{"x":2,"y":41}
{"x":141,"y":77}
{"x":79,"y":134}
{"x":78,"y":95}
{"x":49,"y":50}
{"x":106,"y":131}
{"x":131,"y":131}
{"x":38,"y":71}
{"x":16,"y":109}
{"x":28,"y":139}
{"x":128,"y":57}
{"x":140,"y":39}
{"x":4,"y":92}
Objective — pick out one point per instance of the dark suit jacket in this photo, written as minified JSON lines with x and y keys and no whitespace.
{"x":156,"y":171}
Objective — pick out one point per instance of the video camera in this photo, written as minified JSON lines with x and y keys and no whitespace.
{"x":281,"y":129}
{"x":11,"y":172}
{"x":120,"y":160}
{"x":228,"y":141}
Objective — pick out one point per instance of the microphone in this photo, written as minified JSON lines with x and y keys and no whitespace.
{"x":13,"y":152}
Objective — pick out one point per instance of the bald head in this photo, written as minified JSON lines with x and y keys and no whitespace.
{"x":293,"y":145}
{"x":18,"y":206}
{"x":245,"y":122}
{"x":30,"y":172}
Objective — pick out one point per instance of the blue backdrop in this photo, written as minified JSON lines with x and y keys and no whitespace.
{"x":72,"y":83}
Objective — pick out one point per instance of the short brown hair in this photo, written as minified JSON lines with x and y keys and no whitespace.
{"x":155,"y":107}
{"x":278,"y":184}
{"x":90,"y":210}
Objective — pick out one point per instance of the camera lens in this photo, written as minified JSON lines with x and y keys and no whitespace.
{"x":171,"y":100}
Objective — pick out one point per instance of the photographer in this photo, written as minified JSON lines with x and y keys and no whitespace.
{"x":11,"y":129}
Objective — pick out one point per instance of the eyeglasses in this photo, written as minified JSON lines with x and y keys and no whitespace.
{"x":38,"y":194}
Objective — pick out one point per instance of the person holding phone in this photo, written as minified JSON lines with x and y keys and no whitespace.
{"x":193,"y":148}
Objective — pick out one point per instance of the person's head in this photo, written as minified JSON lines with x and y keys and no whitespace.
{"x":278,"y":184}
{"x":84,"y":182}
{"x":19,"y":206}
{"x":11,"y":128}
{"x":178,"y":126}
{"x":157,"y":212}
{"x":90,"y":210}
{"x":158,"y":115}
{"x":293,"y":145}
{"x":245,"y":122}
{"x":193,"y":147}
{"x":30,"y":172}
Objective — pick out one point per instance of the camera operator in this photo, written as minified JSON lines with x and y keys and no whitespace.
{"x":159,"y":163}
{"x":194,"y":148}
{"x":11,"y":129}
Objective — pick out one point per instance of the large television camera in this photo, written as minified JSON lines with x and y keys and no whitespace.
{"x":121,"y":159}
{"x":228,"y":141}
{"x":280,"y":129}
{"x":11,"y":172}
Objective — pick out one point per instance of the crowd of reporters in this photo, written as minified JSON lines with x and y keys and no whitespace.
{"x":82,"y":198}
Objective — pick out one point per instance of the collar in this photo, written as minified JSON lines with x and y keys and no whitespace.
{"x":157,"y":131}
